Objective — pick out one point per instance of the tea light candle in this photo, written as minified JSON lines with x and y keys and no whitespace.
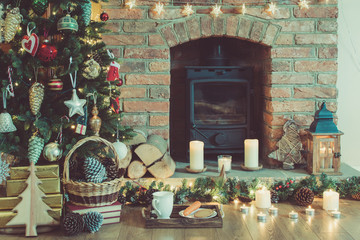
{"x":261,"y":216}
{"x":310,"y":211}
{"x":196,"y":155}
{"x":293,"y":215}
{"x":262,"y":198}
{"x":336,"y":214}
{"x":244,"y":209}
{"x":224,"y":160}
{"x":251,"y":154}
{"x":330,"y":200}
{"x":273,"y":210}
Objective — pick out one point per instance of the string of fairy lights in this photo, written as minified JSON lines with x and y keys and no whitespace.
{"x":270,"y":7}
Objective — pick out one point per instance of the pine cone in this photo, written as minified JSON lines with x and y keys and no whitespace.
{"x":149,"y":195}
{"x":122,"y":199}
{"x":112,"y":172}
{"x":36,"y":145}
{"x":274,"y":196}
{"x":73,"y":223}
{"x":39,"y":6}
{"x":244,"y":198}
{"x":304,"y":196}
{"x":356,"y":196}
{"x":36,"y":97}
{"x":86,"y":12}
{"x":93,"y":221}
{"x":94,"y":171}
{"x":107,"y":162}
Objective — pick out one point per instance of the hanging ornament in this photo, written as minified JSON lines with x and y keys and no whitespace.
{"x":30,"y":42}
{"x":36,"y":145}
{"x":271,"y":9}
{"x":187,"y":10}
{"x":52,"y":151}
{"x":113,"y":72}
{"x":12,"y":23}
{"x":158,"y":8}
{"x":4,"y":170}
{"x":81,"y":123}
{"x":216,"y":11}
{"x":120,"y":148}
{"x":36,"y":96}
{"x":67,"y":23}
{"x":115,"y":105}
{"x":92,"y":69}
{"x":39,"y":6}
{"x":130,"y":4}
{"x":95,"y":120}
{"x":303,"y":4}
{"x":6,"y":123}
{"x":47,"y":52}
{"x":86,"y":12}
{"x":104,"y":16}
{"x":120,"y":82}
{"x":55,"y":84}
{"x":2,"y":24}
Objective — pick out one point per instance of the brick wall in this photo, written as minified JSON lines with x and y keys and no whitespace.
{"x":301,"y":72}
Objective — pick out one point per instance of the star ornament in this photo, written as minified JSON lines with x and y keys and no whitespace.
{"x":187,"y":10}
{"x":216,"y":11}
{"x":271,"y":9}
{"x":303,"y":4}
{"x":130,"y":4}
{"x":75,"y":105}
{"x":158,"y":8}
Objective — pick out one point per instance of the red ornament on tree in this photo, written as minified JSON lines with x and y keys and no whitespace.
{"x":104,"y":16}
{"x":46,"y":52}
{"x":55,"y":84}
{"x":120,"y":83}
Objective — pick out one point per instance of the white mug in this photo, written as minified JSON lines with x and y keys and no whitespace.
{"x":163,"y":204}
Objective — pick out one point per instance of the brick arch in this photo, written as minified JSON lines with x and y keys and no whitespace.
{"x":243,"y":27}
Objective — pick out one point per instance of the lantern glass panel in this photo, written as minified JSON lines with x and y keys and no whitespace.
{"x":326,"y":152}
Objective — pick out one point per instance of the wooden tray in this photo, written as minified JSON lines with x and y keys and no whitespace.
{"x":176,"y":221}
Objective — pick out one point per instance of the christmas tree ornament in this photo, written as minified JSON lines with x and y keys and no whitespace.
{"x":104,"y":16}
{"x":113,"y":72}
{"x":52,"y":152}
{"x":120,"y":148}
{"x":86,"y":12}
{"x":73,"y":224}
{"x":115,"y":104}
{"x":94,"y":171}
{"x":36,"y":96}
{"x":95,"y":120}
{"x":6,"y":123}
{"x":4,"y":170}
{"x":30,"y":42}
{"x":55,"y":84}
{"x":93,"y":221}
{"x":81,"y":123}
{"x":75,"y":105}
{"x":39,"y":6}
{"x":92,"y":69}
{"x":2,"y":24}
{"x":36,"y":145}
{"x":120,"y":82}
{"x":67,"y":23}
{"x":47,"y":52}
{"x":304,"y":196}
{"x":12,"y":23}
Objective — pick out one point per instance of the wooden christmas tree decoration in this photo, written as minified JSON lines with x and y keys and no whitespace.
{"x":32,"y":211}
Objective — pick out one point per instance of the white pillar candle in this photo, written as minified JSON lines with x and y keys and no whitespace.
{"x":251,"y":155}
{"x":293,"y":215}
{"x":224,"y":160}
{"x":273,"y":210}
{"x":310,"y":211}
{"x":244,"y":209}
{"x":262,"y":198}
{"x":196,"y":155}
{"x":330,"y":200}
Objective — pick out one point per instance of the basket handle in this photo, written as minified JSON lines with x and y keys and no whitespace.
{"x":66,"y":175}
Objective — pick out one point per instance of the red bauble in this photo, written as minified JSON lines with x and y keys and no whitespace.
{"x":46,"y":52}
{"x":104,"y":16}
{"x":120,"y":83}
{"x":55,"y":84}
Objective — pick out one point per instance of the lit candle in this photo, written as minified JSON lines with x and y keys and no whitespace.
{"x":197,"y":155}
{"x":293,"y":215}
{"x":310,"y":211}
{"x":261,"y":216}
{"x":330,"y":200}
{"x":244,"y":209}
{"x":251,"y":155}
{"x":262,"y":198}
{"x":336,"y":214}
{"x":273,"y":210}
{"x":224,"y":160}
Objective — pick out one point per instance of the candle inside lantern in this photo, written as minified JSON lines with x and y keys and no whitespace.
{"x":273,"y":210}
{"x":310,"y":211}
{"x":293,"y":215}
{"x":262,"y":198}
{"x":330,"y":200}
{"x":244,"y":209}
{"x":336,"y":214}
{"x":196,"y":155}
{"x":261,"y":216}
{"x":224,"y":160}
{"x":251,"y":154}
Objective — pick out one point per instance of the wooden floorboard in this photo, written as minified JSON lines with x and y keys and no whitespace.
{"x":236,"y":226}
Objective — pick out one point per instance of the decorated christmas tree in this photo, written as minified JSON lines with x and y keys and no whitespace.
{"x":57,"y":76}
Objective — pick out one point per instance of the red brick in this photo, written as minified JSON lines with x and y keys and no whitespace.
{"x":273,"y":133}
{"x":285,"y":39}
{"x":113,"y":26}
{"x":275,"y":120}
{"x":123,"y":13}
{"x":159,"y":121}
{"x":139,"y":26}
{"x":327,"y":26}
{"x":159,"y":66}
{"x":297,"y":26}
{"x":117,"y":40}
{"x":291,"y":79}
{"x":160,"y":93}
{"x":116,"y":51}
{"x":327,"y":79}
{"x":169,"y":36}
{"x":303,"y":120}
{"x":193,"y":27}
{"x":206,"y":26}
{"x":244,"y":29}
{"x":147,"y":79}
{"x":145,"y":106}
{"x":232,"y":25}
{"x":133,"y":120}
{"x":256,"y":31}
{"x":317,"y":12}
{"x":290,"y":106}
{"x":161,"y":132}
{"x":280,"y":66}
{"x":132,"y":92}
{"x":127,"y":66}
{"x":315,"y":66}
{"x":270,"y":34}
{"x":283,"y":13}
{"x":331,"y":52}
{"x":274,"y":92}
{"x":315,"y":39}
{"x":155,"y":39}
{"x":314,"y":92}
{"x":219,"y":28}
{"x":181,"y":32}
{"x":292,"y":52}
{"x":146,"y":53}
{"x":169,"y":14}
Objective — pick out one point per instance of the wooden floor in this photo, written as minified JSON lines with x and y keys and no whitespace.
{"x":236,"y":226}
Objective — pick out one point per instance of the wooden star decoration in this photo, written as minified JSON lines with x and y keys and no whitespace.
{"x":75,"y":105}
{"x":303,"y":4}
{"x":216,"y":11}
{"x":159,"y":8}
{"x":243,"y":9}
{"x":187,"y":11}
{"x":271,"y":9}
{"x":130,"y":3}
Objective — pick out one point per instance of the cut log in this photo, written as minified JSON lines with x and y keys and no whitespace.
{"x":139,"y":137}
{"x":124,"y":163}
{"x":164,"y":168}
{"x":154,"y":149}
{"x":136,"y":169}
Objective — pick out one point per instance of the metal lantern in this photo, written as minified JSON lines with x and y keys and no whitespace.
{"x":67,"y":23}
{"x":323,"y":144}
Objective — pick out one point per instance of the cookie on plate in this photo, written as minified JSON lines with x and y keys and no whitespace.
{"x":203,"y":213}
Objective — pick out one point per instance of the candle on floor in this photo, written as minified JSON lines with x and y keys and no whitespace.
{"x":310,"y":211}
{"x":262,"y":198}
{"x":293,"y":215}
{"x":244,"y":209}
{"x":330,"y":200}
{"x":273,"y":210}
{"x":251,"y":154}
{"x":336,"y":214}
{"x":261,"y":216}
{"x":224,"y":160}
{"x":196,"y":155}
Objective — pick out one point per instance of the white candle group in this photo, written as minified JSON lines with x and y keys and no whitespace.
{"x":196,"y":155}
{"x":262,"y":198}
{"x":224,"y":160}
{"x":273,"y":210}
{"x":293,"y":215}
{"x":244,"y":209}
{"x":330,"y":200}
{"x":310,"y":211}
{"x":251,"y":154}
{"x":261,"y":216}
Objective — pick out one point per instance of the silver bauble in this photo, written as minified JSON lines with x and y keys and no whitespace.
{"x":6,"y":123}
{"x":52,"y":152}
{"x":120,"y":148}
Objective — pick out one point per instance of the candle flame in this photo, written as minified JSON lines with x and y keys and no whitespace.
{"x":236,"y":201}
{"x":309,"y":207}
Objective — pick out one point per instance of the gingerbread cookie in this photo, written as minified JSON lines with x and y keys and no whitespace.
{"x":203,"y":213}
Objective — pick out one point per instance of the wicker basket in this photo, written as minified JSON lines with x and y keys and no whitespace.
{"x":88,"y":193}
